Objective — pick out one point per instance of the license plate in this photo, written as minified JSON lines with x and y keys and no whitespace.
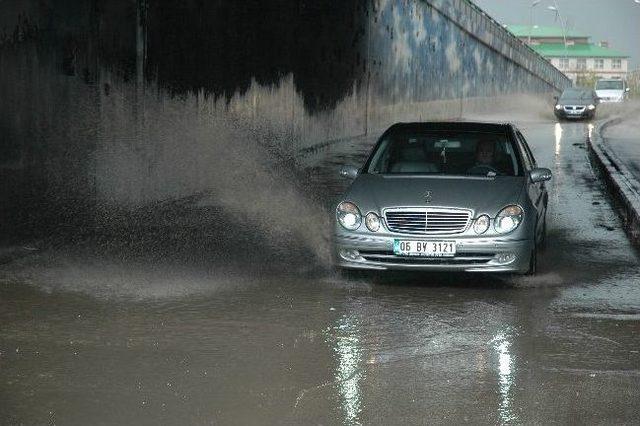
{"x":424,"y":248}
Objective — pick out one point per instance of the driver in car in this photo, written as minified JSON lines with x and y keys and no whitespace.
{"x":484,"y":161}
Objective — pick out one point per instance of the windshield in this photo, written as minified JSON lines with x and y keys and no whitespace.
{"x":609,"y":85}
{"x":445,"y":153}
{"x":575,"y":94}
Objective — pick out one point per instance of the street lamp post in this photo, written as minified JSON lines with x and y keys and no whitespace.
{"x":534,"y":3}
{"x":559,"y":17}
{"x":562,"y":24}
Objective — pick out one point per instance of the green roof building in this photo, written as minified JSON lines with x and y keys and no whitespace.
{"x":572,"y":52}
{"x":546,"y":34}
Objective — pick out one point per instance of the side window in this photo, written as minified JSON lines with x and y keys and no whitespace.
{"x":530,"y":162}
{"x":380,"y":160}
{"x":526,"y":146}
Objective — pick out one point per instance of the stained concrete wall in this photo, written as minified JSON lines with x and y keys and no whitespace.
{"x":107,"y":104}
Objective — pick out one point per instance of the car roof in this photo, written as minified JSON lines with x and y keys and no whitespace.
{"x":465,"y":126}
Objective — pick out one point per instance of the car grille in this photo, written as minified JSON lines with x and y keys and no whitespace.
{"x":427,"y":221}
{"x":574,"y":108}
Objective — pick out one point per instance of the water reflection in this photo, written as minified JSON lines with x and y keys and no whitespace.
{"x":558,"y":134}
{"x":557,"y":160}
{"x":502,"y":345}
{"x":350,"y":371}
{"x":590,"y":127}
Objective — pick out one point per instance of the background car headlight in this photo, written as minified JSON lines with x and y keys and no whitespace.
{"x":481,"y":224}
{"x":591,"y":107}
{"x":372,"y":221}
{"x":508,"y":219}
{"x":349,"y":215}
{"x":558,"y":106}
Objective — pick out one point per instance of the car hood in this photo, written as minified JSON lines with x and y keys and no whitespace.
{"x":482,"y":195}
{"x":576,"y":101}
{"x":609,"y":93}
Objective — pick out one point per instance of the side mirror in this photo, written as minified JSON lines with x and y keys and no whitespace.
{"x":540,"y":175}
{"x":349,"y":172}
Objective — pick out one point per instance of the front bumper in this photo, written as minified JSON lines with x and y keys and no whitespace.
{"x":473,"y":254}
{"x":611,"y":100}
{"x":585,"y":114}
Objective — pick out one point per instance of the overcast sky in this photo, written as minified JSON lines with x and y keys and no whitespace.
{"x":617,"y":21}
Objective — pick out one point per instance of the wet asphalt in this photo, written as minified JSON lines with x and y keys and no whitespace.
{"x":261,"y":332}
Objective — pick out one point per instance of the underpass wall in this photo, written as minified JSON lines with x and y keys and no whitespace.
{"x":118,"y":104}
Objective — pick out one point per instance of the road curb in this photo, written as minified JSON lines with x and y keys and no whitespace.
{"x":622,"y":186}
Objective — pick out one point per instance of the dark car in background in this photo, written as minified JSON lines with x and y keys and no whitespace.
{"x":576,"y":103}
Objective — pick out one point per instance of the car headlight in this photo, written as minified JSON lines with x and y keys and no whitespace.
{"x":508,"y":219}
{"x":558,"y":106}
{"x":372,"y":221}
{"x":348,"y":215}
{"x":481,"y":224}
{"x":591,"y":107}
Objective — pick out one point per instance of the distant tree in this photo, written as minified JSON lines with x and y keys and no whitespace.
{"x":634,"y":83}
{"x":587,"y":79}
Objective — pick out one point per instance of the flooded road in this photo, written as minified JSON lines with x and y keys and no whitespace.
{"x":254,"y":329}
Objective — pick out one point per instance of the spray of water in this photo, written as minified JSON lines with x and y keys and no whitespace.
{"x":204,"y":157}
{"x":195,"y":146}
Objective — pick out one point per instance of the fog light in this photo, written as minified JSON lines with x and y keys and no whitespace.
{"x":505,"y":258}
{"x":349,"y":254}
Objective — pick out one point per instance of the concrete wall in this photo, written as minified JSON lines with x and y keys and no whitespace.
{"x":119,"y":103}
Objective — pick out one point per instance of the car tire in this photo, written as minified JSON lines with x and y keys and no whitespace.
{"x":542,"y":245}
{"x":533,"y":262}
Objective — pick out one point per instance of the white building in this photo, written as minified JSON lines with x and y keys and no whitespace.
{"x":577,"y":56}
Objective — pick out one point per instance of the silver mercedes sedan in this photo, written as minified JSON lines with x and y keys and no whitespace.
{"x":444,"y":196}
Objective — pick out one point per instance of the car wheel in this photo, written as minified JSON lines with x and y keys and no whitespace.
{"x":542,"y":244}
{"x":533,"y":263}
